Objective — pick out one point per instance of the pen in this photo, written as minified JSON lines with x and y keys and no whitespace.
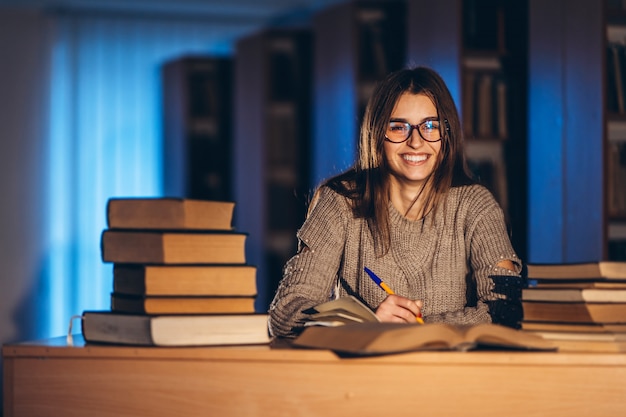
{"x":385,"y":287}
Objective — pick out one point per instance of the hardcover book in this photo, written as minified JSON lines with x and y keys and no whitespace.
{"x":180,"y":305}
{"x":159,"y":247}
{"x":591,"y":295}
{"x":574,"y":312}
{"x":174,"y":330}
{"x":603,"y":270}
{"x":169,"y":214}
{"x":217,"y":280}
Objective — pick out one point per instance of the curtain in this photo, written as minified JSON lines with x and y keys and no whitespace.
{"x":105,"y":137}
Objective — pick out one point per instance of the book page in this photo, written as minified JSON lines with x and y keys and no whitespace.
{"x":488,"y":334}
{"x":348,"y":305}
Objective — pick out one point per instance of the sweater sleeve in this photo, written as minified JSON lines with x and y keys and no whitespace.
{"x":310,"y":275}
{"x":488,"y":241}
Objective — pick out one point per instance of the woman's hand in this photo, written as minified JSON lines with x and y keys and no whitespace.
{"x":398,"y":309}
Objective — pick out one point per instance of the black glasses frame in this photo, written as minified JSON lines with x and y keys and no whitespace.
{"x":417,"y":127}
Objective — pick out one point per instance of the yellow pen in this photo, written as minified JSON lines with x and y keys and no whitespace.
{"x":385,"y":287}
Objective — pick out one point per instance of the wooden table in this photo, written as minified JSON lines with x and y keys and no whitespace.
{"x":50,"y":378}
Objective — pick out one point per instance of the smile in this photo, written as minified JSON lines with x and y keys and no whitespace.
{"x":414,"y":158}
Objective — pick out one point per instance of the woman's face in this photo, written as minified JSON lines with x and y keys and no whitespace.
{"x":412,"y":161}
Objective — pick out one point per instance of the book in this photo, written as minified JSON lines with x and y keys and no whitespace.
{"x":341,"y":311}
{"x":586,"y":342}
{"x":169,"y":214}
{"x":612,"y":104}
{"x":122,"y":303}
{"x":162,"y":247}
{"x":484,"y":106}
{"x":501,"y":108}
{"x":576,"y":312}
{"x":469,"y":91}
{"x":185,"y":279}
{"x":384,"y":338}
{"x":602,"y":270}
{"x":576,"y":284}
{"x":593,"y":295}
{"x":617,"y":72}
{"x":170,"y":330}
{"x":574,"y":327}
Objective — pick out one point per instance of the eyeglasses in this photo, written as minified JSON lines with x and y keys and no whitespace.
{"x":429,"y":130}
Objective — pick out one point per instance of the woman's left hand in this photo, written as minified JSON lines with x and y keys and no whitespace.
{"x":398,"y":309}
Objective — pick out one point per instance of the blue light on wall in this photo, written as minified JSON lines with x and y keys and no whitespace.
{"x":105,"y":139}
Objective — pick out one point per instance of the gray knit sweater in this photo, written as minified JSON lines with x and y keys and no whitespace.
{"x":442,"y":260}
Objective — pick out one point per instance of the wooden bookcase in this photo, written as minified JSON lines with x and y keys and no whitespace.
{"x":480,"y":49}
{"x":271,"y":159}
{"x":197,"y":134}
{"x":567,"y":131}
{"x":356,"y":44}
{"x":616,"y":129}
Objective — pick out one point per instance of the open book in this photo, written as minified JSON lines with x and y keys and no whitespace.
{"x":341,"y":311}
{"x":384,"y":338}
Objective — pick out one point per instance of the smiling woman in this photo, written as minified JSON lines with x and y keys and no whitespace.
{"x":409,"y":212}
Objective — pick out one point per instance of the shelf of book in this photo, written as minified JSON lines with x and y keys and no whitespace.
{"x":480,"y":49}
{"x":615,"y":149}
{"x":356,"y":44}
{"x":197,"y":97}
{"x":566,"y":131}
{"x":272,"y":142}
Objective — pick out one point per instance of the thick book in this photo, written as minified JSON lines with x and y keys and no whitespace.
{"x":160,"y":247}
{"x":384,"y":338}
{"x":586,"y":342}
{"x":547,"y":326}
{"x":576,"y":284}
{"x":603,"y":270}
{"x":574,"y":312}
{"x":169,"y":214}
{"x":169,"y":330}
{"x":223,"y":280}
{"x":123,"y":303}
{"x":592,"y":295}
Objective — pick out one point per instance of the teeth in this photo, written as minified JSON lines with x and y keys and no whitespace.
{"x":414,"y":158}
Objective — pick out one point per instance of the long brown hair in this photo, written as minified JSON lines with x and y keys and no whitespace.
{"x":366,"y":184}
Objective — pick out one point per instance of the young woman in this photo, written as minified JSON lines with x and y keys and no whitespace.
{"x":409,"y":211}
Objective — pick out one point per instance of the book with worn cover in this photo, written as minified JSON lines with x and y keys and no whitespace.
{"x":592,"y":295}
{"x":161,"y":247}
{"x":217,"y":280}
{"x":181,"y":305}
{"x":577,"y":283}
{"x":169,"y":330}
{"x":547,"y":326}
{"x":384,"y":338}
{"x":574,"y":312}
{"x":607,"y":342}
{"x":169,"y":214}
{"x":603,"y":270}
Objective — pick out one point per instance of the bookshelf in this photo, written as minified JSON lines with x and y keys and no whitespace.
{"x":356,"y":44}
{"x":480,"y":49}
{"x":616,"y":129}
{"x":567,"y":131}
{"x":271,"y":140}
{"x":197,"y":134}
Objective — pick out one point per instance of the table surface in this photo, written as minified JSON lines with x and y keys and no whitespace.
{"x":53,"y":378}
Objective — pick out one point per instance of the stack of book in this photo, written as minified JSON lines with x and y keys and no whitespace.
{"x":579,"y":306}
{"x":180,"y":276}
